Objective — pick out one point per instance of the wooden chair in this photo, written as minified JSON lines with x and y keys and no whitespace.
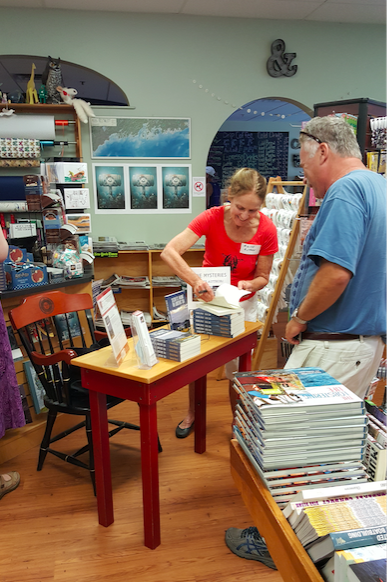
{"x":51,"y":338}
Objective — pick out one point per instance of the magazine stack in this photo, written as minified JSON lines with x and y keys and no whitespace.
{"x":175,"y":345}
{"x":300,"y":429}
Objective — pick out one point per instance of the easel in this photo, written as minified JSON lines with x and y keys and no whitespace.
{"x":279,"y":185}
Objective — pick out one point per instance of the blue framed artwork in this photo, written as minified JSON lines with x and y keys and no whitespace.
{"x":109,"y":189}
{"x":176,"y":188}
{"x":143,"y":185}
{"x":164,"y":138}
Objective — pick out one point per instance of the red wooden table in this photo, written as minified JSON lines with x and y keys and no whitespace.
{"x":146,"y":387}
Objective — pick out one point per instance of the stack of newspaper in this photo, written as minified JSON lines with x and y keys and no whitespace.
{"x":168,"y":281}
{"x":105,"y":247}
{"x":301,"y":429}
{"x":133,"y":282}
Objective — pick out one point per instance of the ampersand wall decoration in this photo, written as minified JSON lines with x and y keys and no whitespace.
{"x":278,"y":65}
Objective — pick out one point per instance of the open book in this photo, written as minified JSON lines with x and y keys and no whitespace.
{"x":226,"y":300}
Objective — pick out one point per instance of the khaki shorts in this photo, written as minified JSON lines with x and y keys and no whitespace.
{"x":353,"y":363}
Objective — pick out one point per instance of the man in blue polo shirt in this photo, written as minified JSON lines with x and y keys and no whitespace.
{"x":338,"y":297}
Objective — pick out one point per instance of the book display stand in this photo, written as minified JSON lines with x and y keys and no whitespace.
{"x":281,"y":265}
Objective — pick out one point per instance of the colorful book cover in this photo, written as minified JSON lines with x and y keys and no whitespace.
{"x":177,"y":310}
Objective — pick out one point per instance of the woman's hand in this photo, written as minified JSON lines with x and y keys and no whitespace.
{"x":202,"y":290}
{"x":247,"y":286}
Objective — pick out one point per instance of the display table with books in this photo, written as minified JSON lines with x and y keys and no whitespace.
{"x":300,"y":448}
{"x":147,"y":387}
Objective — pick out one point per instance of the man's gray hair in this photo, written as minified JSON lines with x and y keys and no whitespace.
{"x":334,"y":131}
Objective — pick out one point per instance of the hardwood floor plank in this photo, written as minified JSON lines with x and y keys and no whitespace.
{"x":50,"y":531}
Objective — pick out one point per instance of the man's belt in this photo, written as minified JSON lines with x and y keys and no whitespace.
{"x":328,"y":336}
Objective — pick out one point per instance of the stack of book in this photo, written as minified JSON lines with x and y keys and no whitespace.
{"x":223,"y":315}
{"x":328,"y":521}
{"x":300,"y":429}
{"x":215,"y":320}
{"x":175,"y":345}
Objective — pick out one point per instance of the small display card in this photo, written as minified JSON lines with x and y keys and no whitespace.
{"x":113,"y":324}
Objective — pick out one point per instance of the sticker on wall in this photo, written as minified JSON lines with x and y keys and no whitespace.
{"x":109,"y":189}
{"x":198,"y":186}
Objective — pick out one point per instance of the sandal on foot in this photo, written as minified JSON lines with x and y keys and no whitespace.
{"x":10,"y":485}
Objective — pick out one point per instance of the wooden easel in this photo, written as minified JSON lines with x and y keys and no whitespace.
{"x":279,"y":185}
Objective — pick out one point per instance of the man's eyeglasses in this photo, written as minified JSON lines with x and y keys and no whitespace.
{"x":311,"y":136}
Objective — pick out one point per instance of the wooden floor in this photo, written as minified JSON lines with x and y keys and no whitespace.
{"x":49,"y":529}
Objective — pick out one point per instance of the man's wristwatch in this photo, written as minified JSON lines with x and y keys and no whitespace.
{"x":296,"y":318}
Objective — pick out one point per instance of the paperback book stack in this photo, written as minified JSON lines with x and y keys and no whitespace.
{"x":300,"y":429}
{"x":223,"y":315}
{"x":175,"y":345}
{"x":330,"y":521}
{"x":214,"y":320}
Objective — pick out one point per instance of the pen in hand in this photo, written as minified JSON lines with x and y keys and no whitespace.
{"x":203,"y":291}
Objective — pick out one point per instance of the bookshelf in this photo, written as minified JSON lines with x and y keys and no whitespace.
{"x":142,"y":263}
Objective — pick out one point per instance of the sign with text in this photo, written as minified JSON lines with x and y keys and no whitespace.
{"x":113,"y":324}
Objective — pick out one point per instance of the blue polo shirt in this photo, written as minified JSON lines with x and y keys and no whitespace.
{"x":349,"y":230}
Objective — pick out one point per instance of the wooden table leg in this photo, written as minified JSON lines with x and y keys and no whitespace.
{"x":150,"y":475}
{"x":200,"y":414}
{"x":103,"y":477}
{"x":245,"y":362}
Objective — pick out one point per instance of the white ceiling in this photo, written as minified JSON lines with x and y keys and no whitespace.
{"x":350,"y":11}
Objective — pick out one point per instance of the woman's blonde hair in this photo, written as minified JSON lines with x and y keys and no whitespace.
{"x":246,"y":180}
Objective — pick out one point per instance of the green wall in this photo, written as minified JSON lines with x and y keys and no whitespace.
{"x":155,"y":60}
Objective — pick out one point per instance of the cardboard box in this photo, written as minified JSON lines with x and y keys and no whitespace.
{"x":25,"y":275}
{"x":17,"y":255}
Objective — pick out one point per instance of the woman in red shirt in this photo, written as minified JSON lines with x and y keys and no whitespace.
{"x":238,"y":236}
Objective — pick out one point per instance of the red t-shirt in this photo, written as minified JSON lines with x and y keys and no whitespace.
{"x":221,"y":251}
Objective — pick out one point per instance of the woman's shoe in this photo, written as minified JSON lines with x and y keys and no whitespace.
{"x":182,"y":433}
{"x":8,"y":482}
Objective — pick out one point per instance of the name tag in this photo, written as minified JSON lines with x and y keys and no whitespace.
{"x":250,"y":249}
